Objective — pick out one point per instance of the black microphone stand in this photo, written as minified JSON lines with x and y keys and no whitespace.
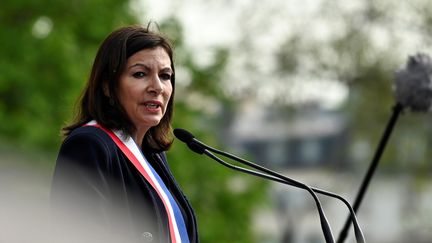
{"x":272,"y":175}
{"x":324,"y":223}
{"x":201,"y":148}
{"x":397,"y":109}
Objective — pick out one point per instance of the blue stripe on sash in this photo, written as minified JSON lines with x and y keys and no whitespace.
{"x":177,"y":213}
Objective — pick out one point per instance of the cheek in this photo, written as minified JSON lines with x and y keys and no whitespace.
{"x":123,"y":98}
{"x":168,"y":93}
{"x":167,"y":98}
{"x":127,"y":97}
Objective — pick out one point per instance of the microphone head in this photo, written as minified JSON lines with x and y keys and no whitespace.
{"x":413,"y":83}
{"x":183,"y":135}
{"x":189,"y":140}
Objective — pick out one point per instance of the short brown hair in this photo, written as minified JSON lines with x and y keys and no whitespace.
{"x":108,"y":65}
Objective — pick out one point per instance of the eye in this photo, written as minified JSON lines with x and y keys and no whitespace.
{"x":139,"y":74}
{"x":165,"y":76}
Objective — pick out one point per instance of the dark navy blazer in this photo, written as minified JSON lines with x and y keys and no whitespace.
{"x":95,"y":177}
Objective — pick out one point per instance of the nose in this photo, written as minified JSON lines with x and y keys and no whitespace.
{"x":155,"y":85}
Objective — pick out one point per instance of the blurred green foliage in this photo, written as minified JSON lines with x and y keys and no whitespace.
{"x":47,"y":48}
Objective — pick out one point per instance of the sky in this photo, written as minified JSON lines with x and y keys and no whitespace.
{"x":223,"y":23}
{"x":214,"y":23}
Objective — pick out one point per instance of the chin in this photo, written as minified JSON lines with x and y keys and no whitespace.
{"x":151,"y":123}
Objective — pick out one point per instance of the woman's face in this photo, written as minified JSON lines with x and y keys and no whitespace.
{"x":145,"y":87}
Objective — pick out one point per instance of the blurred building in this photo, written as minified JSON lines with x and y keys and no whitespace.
{"x":313,"y":146}
{"x":310,"y":138}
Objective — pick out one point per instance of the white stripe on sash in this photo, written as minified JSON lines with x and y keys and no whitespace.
{"x":133,"y":148}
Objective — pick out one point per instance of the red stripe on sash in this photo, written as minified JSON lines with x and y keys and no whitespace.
{"x":143,"y":172}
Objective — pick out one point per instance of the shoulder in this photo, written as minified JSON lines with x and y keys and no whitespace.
{"x":86,"y":143}
{"x":89,"y":136}
{"x":90,"y":133}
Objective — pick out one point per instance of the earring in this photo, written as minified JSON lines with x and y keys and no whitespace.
{"x":111,"y":101}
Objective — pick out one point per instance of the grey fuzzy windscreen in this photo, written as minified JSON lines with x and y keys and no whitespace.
{"x":413,"y":83}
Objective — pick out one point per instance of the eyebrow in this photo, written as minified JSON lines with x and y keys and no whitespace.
{"x":167,"y":69}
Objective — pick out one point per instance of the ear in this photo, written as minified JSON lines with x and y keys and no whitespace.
{"x":106,"y":89}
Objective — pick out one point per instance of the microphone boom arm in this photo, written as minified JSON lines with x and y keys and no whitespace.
{"x":272,"y":175}
{"x":201,"y":148}
{"x":324,"y":223}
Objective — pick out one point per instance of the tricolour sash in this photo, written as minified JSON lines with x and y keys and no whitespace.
{"x":177,"y":226}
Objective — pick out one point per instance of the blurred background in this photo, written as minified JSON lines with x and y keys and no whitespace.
{"x":301,"y":86}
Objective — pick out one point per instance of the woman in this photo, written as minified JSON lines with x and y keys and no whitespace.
{"x":112,"y":164}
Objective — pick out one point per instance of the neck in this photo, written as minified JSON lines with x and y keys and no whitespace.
{"x":138,"y":136}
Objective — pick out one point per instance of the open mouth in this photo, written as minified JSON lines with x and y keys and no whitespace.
{"x":152,"y":105}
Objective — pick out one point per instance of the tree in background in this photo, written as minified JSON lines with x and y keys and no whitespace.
{"x":375,"y":40}
{"x":47,"y":50}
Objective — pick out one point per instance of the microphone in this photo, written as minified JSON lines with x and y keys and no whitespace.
{"x":189,"y":140}
{"x":201,"y":148}
{"x":412,"y":90}
{"x":413,"y":83}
